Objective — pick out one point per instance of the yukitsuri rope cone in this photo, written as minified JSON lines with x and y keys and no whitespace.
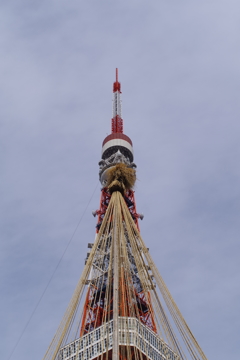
{"x":120,"y":178}
{"x":118,"y":229}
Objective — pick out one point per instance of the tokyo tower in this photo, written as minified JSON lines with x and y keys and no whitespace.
{"x":121,"y":308}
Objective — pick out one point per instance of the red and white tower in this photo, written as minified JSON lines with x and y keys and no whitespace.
{"x":116,"y":148}
{"x":121,"y":308}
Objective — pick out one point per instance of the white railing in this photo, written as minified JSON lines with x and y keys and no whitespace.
{"x":131,"y":333}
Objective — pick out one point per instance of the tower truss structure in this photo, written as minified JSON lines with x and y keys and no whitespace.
{"x":121,"y":308}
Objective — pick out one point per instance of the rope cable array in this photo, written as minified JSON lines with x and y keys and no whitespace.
{"x":119,"y":292}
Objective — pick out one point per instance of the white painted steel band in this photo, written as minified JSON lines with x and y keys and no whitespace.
{"x":117,"y":142}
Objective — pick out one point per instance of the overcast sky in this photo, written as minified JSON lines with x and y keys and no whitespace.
{"x":179,"y":69}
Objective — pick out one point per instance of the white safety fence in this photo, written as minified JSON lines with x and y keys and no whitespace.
{"x":131,"y":333}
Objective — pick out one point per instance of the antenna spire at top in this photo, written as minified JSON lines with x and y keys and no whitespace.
{"x":116,"y":84}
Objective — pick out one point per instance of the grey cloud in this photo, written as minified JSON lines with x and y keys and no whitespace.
{"x":179,"y":68}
